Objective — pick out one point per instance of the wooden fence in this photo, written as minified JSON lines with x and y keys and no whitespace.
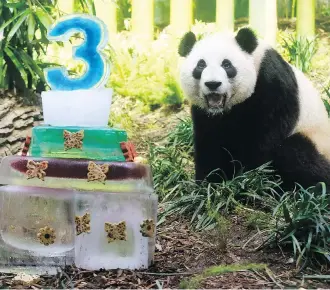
{"x":262,"y":16}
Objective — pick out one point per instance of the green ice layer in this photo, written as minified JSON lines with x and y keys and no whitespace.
{"x":78,"y":142}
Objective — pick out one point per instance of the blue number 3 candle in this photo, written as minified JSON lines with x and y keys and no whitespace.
{"x":95,"y":39}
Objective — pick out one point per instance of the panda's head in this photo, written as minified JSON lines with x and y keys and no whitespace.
{"x":218,"y":71}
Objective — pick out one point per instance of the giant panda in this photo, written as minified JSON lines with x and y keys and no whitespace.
{"x":249,"y":107}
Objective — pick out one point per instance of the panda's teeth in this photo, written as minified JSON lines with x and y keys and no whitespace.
{"x":216,"y":100}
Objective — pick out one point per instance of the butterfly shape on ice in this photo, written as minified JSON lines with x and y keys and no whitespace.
{"x":83,"y":223}
{"x":36,"y":169}
{"x":147,"y":228}
{"x":73,"y":139}
{"x":97,"y":172}
{"x":115,"y":231}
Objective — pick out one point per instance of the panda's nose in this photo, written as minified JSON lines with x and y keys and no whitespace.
{"x":213,"y":85}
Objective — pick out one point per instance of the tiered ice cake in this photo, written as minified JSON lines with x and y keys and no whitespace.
{"x":81,"y":195}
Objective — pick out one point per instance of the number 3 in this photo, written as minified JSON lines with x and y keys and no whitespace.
{"x":97,"y":68}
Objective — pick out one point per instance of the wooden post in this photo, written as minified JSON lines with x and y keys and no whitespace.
{"x":263,"y":18}
{"x":143,"y":18}
{"x":65,"y":6}
{"x":306,"y":18}
{"x":181,"y":16}
{"x":106,"y":10}
{"x":225,"y":15}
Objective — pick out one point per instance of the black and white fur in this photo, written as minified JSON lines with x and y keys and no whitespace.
{"x":250,"y":105}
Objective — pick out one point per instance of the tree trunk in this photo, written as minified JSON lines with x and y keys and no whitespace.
{"x":16,"y":123}
{"x":143,"y":19}
{"x":181,"y":16}
{"x":225,"y":15}
{"x":107,"y":12}
{"x":306,"y":18}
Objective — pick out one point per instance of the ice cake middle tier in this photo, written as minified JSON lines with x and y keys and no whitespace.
{"x":76,"y":174}
{"x":96,"y":143}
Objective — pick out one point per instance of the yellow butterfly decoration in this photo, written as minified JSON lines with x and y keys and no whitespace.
{"x":97,"y":172}
{"x":115,"y":232}
{"x":36,"y":169}
{"x":73,"y":140}
{"x":83,"y":224}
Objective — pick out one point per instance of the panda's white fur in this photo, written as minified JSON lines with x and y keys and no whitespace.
{"x":213,"y":49}
{"x":303,"y":134}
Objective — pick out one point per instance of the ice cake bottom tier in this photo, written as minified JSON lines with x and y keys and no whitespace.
{"x":45,"y":228}
{"x":37,"y":227}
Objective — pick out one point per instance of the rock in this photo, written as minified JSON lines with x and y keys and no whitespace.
{"x":16,"y":122}
{"x":25,"y":279}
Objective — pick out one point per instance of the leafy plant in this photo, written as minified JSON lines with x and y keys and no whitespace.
{"x":182,"y":135}
{"x":303,"y":225}
{"x":300,"y":51}
{"x":195,"y":282}
{"x":146,"y":72}
{"x":255,"y":188}
{"x":21,"y":44}
{"x":327,"y":100}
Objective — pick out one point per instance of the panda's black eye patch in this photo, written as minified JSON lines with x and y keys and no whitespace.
{"x":229,"y":68}
{"x":226,"y":64}
{"x":201,"y":65}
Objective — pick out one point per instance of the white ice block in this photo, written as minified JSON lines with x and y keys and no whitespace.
{"x":37,"y":228}
{"x":92,"y":249}
{"x":89,"y":108}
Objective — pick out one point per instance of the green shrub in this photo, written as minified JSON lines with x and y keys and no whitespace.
{"x":300,"y":51}
{"x":148,"y":71}
{"x":300,"y":221}
{"x":303,"y":225}
{"x":172,"y":161}
{"x":256,"y":188}
{"x":326,"y":101}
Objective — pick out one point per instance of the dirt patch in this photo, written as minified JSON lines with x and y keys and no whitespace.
{"x":181,"y":253}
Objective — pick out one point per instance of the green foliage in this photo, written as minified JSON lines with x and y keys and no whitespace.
{"x":300,"y":221}
{"x":300,"y":51}
{"x":255,"y":188}
{"x":194,"y":283}
{"x":172,"y":162}
{"x":182,"y":135}
{"x":327,"y":100}
{"x":303,"y":225}
{"x":23,"y":25}
{"x":146,"y":72}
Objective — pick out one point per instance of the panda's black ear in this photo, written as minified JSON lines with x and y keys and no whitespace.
{"x":247,"y":39}
{"x":187,"y":43}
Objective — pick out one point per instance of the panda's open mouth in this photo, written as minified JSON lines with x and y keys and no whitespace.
{"x":215,"y":100}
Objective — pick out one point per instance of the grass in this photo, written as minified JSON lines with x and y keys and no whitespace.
{"x":297,"y":221}
{"x":326,"y":101}
{"x":300,"y":51}
{"x":303,"y":225}
{"x":195,"y":282}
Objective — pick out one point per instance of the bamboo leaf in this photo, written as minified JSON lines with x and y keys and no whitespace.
{"x":44,"y":18}
{"x":15,"y":61}
{"x":28,"y":60}
{"x":31,"y":27}
{"x":18,"y":24}
{"x":11,"y":20}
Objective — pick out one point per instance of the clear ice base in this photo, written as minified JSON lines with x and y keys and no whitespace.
{"x":24,"y":212}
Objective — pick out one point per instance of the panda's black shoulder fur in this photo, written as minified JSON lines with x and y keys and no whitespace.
{"x":256,"y":131}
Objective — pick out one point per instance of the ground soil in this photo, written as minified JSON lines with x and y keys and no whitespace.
{"x":182,"y":253}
